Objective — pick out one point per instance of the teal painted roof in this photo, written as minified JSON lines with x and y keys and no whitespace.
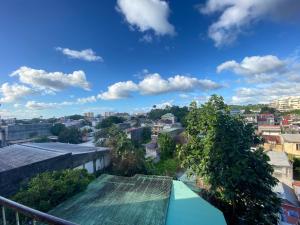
{"x":187,"y":208}
{"x":138,"y":200}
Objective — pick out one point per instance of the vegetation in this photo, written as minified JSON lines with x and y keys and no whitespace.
{"x":167,"y":146}
{"x":240,"y":181}
{"x":179,"y":112}
{"x":167,"y":167}
{"x":42,"y":139}
{"x":76,"y":117}
{"x":127,"y":159}
{"x":57,"y":128}
{"x":109,"y":121}
{"x":146,"y":135}
{"x":70,"y":135}
{"x":47,"y":190}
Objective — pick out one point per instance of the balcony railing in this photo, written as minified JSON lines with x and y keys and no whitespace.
{"x":33,"y":214}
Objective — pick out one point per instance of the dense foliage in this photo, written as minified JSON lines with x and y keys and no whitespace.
{"x":218,"y":151}
{"x":41,"y":139}
{"x":179,"y":112}
{"x":167,"y":167}
{"x":57,"y":128}
{"x":127,"y":158}
{"x":47,"y":190}
{"x":76,"y":117}
{"x":167,"y":146}
{"x":146,"y":135}
{"x":70,"y":135}
{"x":109,"y":121}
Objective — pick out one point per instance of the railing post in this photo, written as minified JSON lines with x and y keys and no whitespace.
{"x":17,"y":218}
{"x":3,"y":215}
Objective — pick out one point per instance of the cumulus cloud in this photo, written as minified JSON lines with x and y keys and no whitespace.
{"x":14,"y":92}
{"x":235,"y":16}
{"x":119,"y":90}
{"x":154,"y":84}
{"x":86,"y":54}
{"x":51,"y":81}
{"x":147,"y":15}
{"x":33,"y":105}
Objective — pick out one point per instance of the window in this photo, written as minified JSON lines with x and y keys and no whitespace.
{"x":298,"y":147}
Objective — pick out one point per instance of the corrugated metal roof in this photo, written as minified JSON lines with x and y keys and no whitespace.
{"x":293,"y":138}
{"x":278,"y":159}
{"x":15,"y":156}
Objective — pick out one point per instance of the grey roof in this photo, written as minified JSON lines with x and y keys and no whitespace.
{"x":278,"y":159}
{"x":286,"y":193}
{"x":15,"y":156}
{"x":294,"y":138}
{"x":64,"y":148}
{"x":19,"y":155}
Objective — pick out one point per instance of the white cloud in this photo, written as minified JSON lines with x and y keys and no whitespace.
{"x":119,"y":90}
{"x":51,"y":81}
{"x":254,"y":65}
{"x":90,"y":99}
{"x":33,"y":105}
{"x":147,"y":15}
{"x":14,"y":92}
{"x":86,"y":54}
{"x":154,"y":84}
{"x":235,"y":15}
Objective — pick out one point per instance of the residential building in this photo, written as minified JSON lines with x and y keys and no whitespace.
{"x":151,"y":150}
{"x":89,"y":115}
{"x":269,"y":130}
{"x":286,"y":103}
{"x":168,"y":118}
{"x":136,"y":133}
{"x":291,"y":144}
{"x":20,"y":133}
{"x":20,"y":162}
{"x":273,"y":143}
{"x":173,"y":132}
{"x":250,"y":118}
{"x":283,"y":168}
{"x":108,"y":114}
{"x":265,"y":119}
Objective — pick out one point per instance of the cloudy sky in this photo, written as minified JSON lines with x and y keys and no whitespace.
{"x":60,"y":57}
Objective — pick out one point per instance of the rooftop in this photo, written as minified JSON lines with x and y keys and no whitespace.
{"x":278,"y":159}
{"x":293,"y":138}
{"x":147,"y":200}
{"x":19,"y":155}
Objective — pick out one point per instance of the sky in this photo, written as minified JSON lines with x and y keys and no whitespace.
{"x":60,"y":57}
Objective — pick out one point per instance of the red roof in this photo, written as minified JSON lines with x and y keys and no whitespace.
{"x":272,"y":138}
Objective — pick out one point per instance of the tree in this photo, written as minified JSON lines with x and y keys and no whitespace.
{"x":109,"y":121}
{"x":266,"y":109}
{"x":70,"y":135}
{"x":146,"y":134}
{"x":47,"y":190}
{"x":76,"y":117}
{"x":57,"y":128}
{"x":218,"y":151}
{"x":127,"y":159}
{"x":166,"y":145}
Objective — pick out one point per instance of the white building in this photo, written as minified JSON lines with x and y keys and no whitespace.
{"x":286,"y":103}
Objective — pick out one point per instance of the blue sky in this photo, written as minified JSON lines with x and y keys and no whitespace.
{"x":65,"y":57}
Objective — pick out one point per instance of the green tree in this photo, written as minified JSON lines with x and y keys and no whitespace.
{"x":146,"y":134}
{"x":167,"y":146}
{"x":47,"y":190}
{"x":70,"y":135}
{"x":109,"y":121}
{"x":76,"y":117}
{"x":218,"y":151}
{"x":57,"y":128}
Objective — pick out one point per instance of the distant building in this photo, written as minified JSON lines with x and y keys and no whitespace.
{"x":291,"y":144}
{"x":168,"y":118}
{"x":283,"y":168}
{"x":250,"y":118}
{"x":89,"y":115}
{"x":19,"y":133}
{"x":286,"y":103}
{"x":265,"y":119}
{"x":124,"y":125}
{"x":173,"y":132}
{"x":108,"y":114}
{"x":269,"y":130}
{"x":156,"y":128}
{"x":20,"y":162}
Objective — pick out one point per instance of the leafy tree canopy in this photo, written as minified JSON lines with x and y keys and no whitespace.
{"x":167,"y":146}
{"x":109,"y":121}
{"x":57,"y":128}
{"x":218,"y":151}
{"x":70,"y":135}
{"x":179,"y":112}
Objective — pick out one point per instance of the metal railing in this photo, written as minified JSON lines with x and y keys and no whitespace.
{"x":35,"y":215}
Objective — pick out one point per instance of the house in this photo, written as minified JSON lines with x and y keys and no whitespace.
{"x":151,"y":150}
{"x":250,"y":118}
{"x":272,"y":143}
{"x":173,"y":132}
{"x":265,"y":119}
{"x":168,"y":118}
{"x":291,"y":144}
{"x":269,"y":130}
{"x":135,"y":134}
{"x":283,"y":168}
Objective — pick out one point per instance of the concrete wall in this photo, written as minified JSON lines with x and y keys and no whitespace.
{"x":290,"y":148}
